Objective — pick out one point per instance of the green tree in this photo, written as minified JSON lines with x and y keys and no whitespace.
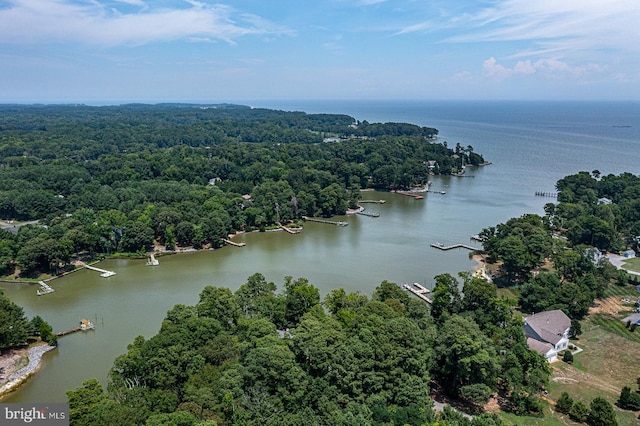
{"x":137,"y":237}
{"x":564,"y":404}
{"x":579,"y":412}
{"x":629,"y":400}
{"x":464,"y":355}
{"x":220,"y":304}
{"x":446,"y":296}
{"x":601,"y":413}
{"x":13,"y":323}
{"x":300,"y":297}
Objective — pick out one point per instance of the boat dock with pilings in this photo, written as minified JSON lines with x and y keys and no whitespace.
{"x":372,"y":201}
{"x":84,"y":326}
{"x":441,"y":246}
{"x":330,"y":222}
{"x":419,"y":290}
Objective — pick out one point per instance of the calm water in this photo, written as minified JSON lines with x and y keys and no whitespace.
{"x":531,"y":145}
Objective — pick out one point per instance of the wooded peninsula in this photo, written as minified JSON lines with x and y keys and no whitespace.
{"x":97,"y":181}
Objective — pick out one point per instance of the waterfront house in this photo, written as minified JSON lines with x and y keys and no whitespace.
{"x":547,"y":333}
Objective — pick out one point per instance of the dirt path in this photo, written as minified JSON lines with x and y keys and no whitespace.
{"x":575,"y":376}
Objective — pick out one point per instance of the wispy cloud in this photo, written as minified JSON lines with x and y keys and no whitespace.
{"x":570,"y":25}
{"x":97,"y":22}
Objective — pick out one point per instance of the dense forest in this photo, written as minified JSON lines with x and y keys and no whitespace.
{"x":258,"y":357}
{"x":102,"y":180}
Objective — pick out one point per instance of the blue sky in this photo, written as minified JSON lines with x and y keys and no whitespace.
{"x":112,"y":51}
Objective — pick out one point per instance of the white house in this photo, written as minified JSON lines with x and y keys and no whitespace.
{"x":547,"y":333}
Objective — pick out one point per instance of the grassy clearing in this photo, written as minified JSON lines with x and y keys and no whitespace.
{"x":632,"y":264}
{"x":609,"y":361}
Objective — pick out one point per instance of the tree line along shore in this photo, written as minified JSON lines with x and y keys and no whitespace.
{"x":185,"y":176}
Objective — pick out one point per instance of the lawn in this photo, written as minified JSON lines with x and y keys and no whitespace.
{"x":632,"y":264}
{"x":609,"y":361}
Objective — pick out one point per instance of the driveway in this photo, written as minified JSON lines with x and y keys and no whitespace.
{"x":616,"y":260}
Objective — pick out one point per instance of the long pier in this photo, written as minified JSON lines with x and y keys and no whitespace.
{"x":410,"y":194}
{"x":370,"y":214}
{"x":330,"y":222}
{"x":372,"y":201}
{"x":441,"y":246}
{"x":419,"y":290}
{"x":233,"y":243}
{"x":546,"y":194}
{"x":103,"y":273}
{"x":84,"y":326}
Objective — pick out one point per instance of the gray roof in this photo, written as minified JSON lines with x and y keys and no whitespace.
{"x":549,"y":325}
{"x":538,"y":346}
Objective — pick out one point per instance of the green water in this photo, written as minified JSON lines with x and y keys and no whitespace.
{"x":394,"y":247}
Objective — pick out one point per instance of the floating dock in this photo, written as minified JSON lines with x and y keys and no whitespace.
{"x":233,"y":243}
{"x":419,"y":290}
{"x":330,"y":222}
{"x":44,"y":289}
{"x":152,"y":261}
{"x":103,"y":273}
{"x":441,"y":246}
{"x":84,"y":326}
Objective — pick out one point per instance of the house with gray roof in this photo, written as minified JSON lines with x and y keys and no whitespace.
{"x":547,"y":333}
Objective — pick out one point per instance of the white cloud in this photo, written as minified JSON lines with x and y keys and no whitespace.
{"x":550,"y":67}
{"x":96,"y":23}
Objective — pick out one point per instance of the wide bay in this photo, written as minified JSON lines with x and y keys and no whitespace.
{"x":531,"y":145}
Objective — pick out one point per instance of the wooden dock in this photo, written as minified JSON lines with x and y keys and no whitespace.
{"x":370,"y":214}
{"x":419,"y":290}
{"x":84,"y":326}
{"x":103,"y":273}
{"x":415,"y":195}
{"x":441,"y":246}
{"x":233,"y":243}
{"x":372,"y":201}
{"x":330,"y":222}
{"x":289,"y":230}
{"x":546,"y":194}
